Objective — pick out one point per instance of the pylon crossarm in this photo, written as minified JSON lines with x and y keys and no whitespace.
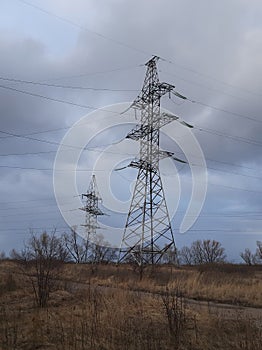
{"x":164,"y":88}
{"x":138,"y":132}
{"x":91,"y":226}
{"x":166,"y":118}
{"x":140,"y":164}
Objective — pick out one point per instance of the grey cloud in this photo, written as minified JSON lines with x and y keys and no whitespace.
{"x":220,"y":39}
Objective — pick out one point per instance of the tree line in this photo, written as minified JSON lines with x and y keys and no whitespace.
{"x":70,"y":247}
{"x":43,"y":256}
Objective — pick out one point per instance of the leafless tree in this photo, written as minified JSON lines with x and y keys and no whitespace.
{"x":40,"y":260}
{"x":248,"y":257}
{"x":77,"y":247}
{"x":213,"y":251}
{"x":185,"y":256}
{"x":203,"y":252}
{"x":101,"y":250}
{"x":252,"y":258}
{"x":170,"y":256}
{"x":197,"y":252}
{"x":82,"y":251}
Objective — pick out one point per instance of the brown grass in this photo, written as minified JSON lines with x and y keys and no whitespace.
{"x":112,"y":309}
{"x":233,"y":284}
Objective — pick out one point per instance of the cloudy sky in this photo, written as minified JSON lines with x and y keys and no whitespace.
{"x":53,"y":52}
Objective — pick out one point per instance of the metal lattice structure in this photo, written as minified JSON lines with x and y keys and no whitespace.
{"x":148,"y":233}
{"x":92,"y":209}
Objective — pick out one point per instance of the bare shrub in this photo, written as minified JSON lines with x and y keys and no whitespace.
{"x":40,"y":261}
{"x":2,"y":255}
{"x":174,"y":305}
{"x":9,"y":329}
{"x":8,"y":284}
{"x":248,"y":257}
{"x":253,"y":258}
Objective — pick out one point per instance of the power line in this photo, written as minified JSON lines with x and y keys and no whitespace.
{"x":228,"y":172}
{"x":94,"y":108}
{"x":212,"y":78}
{"x":27,"y":153}
{"x":234,"y":188}
{"x":190,"y":82}
{"x":38,"y":199}
{"x":243,"y":216}
{"x":234,"y":173}
{"x":30,"y":82}
{"x":46,"y":97}
{"x":56,"y":143}
{"x":228,"y":213}
{"x":50,"y":220}
{"x":103,"y":89}
{"x":79,"y":170}
{"x":39,"y":212}
{"x":225,"y":230}
{"x":35,"y":139}
{"x":103,"y":36}
{"x":96,"y":149}
{"x":38,"y":132}
{"x":94,"y":73}
{"x":230,"y":187}
{"x":56,"y":100}
{"x":49,"y":169}
{"x":222,"y":110}
{"x":91,"y":149}
{"x":223,"y":162}
{"x":221,"y":170}
{"x":246,"y":140}
{"x":33,"y":228}
{"x":233,"y":137}
{"x":103,"y":170}
{"x":51,"y":205}
{"x":118,"y":42}
{"x":242,"y":139}
{"x":235,"y":231}
{"x":200,"y":128}
{"x":34,"y":206}
{"x":32,"y":200}
{"x":226,"y":111}
{"x":50,"y":142}
{"x":33,"y":220}
{"x":232,"y":164}
{"x":31,"y":214}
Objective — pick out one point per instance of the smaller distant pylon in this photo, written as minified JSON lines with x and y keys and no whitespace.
{"x":92,"y":202}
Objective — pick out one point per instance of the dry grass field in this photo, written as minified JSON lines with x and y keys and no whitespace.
{"x":109,"y":307}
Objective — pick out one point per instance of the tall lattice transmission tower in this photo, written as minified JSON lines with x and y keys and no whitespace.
{"x":148,"y":233}
{"x":92,"y":202}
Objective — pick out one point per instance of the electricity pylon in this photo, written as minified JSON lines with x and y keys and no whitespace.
{"x":148,"y":233}
{"x":92,"y":210}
